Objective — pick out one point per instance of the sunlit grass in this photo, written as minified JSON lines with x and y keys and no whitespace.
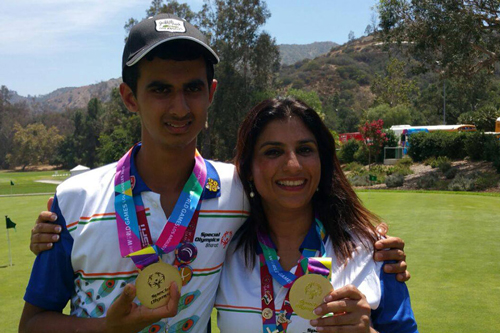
{"x":451,"y":243}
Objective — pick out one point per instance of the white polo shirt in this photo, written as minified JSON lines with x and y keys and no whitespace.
{"x":86,"y":267}
{"x":239,"y":304}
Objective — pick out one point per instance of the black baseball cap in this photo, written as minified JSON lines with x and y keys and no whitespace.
{"x":159,"y":29}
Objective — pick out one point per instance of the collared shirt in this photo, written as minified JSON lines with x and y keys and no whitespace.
{"x":85,"y":266}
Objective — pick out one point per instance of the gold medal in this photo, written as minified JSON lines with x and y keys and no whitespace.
{"x":307,"y":293}
{"x":153,"y":284}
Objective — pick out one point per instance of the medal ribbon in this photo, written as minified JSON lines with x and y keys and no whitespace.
{"x":285,"y":278}
{"x":269,"y":264}
{"x":133,"y":230}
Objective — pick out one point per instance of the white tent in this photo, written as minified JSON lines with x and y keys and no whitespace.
{"x":78,"y":169}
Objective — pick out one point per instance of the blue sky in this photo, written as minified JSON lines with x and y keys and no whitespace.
{"x":50,"y":44}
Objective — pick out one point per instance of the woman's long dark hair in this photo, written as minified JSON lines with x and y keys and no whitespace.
{"x":335,"y":203}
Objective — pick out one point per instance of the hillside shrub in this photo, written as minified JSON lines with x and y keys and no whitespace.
{"x":347,"y":151}
{"x":486,"y":180}
{"x":341,"y":60}
{"x":430,"y":161}
{"x":286,"y":80}
{"x":462,"y":183}
{"x":405,"y":162}
{"x":348,"y":84}
{"x":441,"y":185}
{"x":310,"y":66}
{"x":362,"y":156}
{"x":360,"y":180}
{"x":451,"y":173}
{"x":395,"y":180}
{"x":298,"y":84}
{"x":353,"y":167}
{"x":402,"y":167}
{"x":443,"y":163}
{"x":428,"y":181}
{"x":402,"y":170}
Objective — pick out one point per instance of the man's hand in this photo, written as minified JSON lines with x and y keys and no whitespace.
{"x":391,"y":248}
{"x":126,"y":316}
{"x":44,"y":233}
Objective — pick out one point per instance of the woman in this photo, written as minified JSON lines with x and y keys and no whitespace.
{"x":302,"y":206}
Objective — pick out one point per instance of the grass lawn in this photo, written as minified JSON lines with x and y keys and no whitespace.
{"x":25,"y":182}
{"x":451,"y":242}
{"x":453,"y":256}
{"x":13,"y":280}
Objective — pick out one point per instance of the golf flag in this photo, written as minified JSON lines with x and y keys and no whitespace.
{"x":11,"y":183}
{"x":9,"y":224}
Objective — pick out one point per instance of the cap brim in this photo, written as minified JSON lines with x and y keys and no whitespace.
{"x":137,"y":57}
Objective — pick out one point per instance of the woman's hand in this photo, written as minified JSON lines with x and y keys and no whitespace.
{"x":351,"y":312}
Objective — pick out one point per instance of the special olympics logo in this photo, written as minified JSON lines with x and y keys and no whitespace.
{"x":156,"y":280}
{"x":313,"y":290}
{"x":226,"y":238}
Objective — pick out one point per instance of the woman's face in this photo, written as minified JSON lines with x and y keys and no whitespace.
{"x":286,"y":166}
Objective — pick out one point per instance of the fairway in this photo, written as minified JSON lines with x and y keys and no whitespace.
{"x":451,"y":242}
{"x":30,"y":181}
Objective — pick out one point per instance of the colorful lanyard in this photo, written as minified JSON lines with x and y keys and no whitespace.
{"x":270,"y":268}
{"x":133,"y":229}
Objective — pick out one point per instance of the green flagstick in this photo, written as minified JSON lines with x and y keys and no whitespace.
{"x":8,"y":225}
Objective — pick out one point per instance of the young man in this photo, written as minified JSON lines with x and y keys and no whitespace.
{"x":168,"y":81}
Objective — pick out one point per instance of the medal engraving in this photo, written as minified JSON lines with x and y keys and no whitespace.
{"x":153,"y":284}
{"x":307,"y":293}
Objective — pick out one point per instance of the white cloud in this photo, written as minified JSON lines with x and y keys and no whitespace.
{"x":45,"y":26}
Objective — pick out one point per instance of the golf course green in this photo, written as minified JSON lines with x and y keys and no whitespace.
{"x":451,"y":243}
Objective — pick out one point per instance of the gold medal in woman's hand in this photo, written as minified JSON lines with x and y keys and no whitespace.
{"x":307,"y":293}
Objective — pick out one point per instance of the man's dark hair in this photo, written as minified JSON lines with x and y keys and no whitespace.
{"x":178,"y":50}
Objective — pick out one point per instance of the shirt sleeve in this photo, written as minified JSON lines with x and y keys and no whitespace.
{"x":394,"y":314}
{"x":51,"y":283}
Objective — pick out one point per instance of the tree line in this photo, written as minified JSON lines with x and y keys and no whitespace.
{"x":435,"y":55}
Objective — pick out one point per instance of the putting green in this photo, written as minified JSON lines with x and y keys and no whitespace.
{"x":451,"y":243}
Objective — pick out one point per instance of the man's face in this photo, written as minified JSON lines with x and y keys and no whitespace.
{"x":172,"y":100}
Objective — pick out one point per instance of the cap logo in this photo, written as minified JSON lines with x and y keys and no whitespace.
{"x":170,"y":25}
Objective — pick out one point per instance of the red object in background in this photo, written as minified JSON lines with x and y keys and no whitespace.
{"x":344,"y":137}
